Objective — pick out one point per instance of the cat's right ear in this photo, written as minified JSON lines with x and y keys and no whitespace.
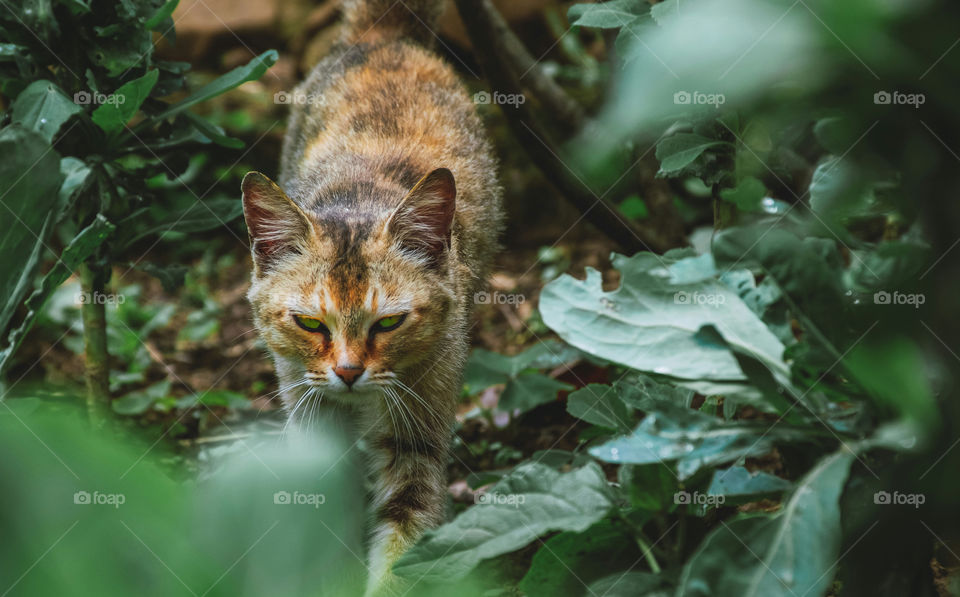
{"x":276,"y":225}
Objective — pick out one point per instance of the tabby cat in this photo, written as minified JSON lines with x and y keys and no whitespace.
{"x":367,"y":256}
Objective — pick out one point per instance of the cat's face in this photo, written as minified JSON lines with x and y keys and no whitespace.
{"x":348,"y":302}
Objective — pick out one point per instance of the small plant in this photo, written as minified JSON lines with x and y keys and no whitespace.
{"x":95,"y":128}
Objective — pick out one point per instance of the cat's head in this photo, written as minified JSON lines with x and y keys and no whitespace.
{"x":350,"y":295}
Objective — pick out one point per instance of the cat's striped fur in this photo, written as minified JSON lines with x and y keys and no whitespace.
{"x":388,"y":204}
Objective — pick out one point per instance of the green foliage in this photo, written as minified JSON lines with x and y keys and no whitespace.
{"x":89,"y":131}
{"x":813,"y":392}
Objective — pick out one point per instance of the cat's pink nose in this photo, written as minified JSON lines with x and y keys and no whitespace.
{"x":348,"y":373}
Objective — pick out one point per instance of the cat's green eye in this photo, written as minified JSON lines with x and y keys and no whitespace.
{"x":310,"y":324}
{"x":389,"y":323}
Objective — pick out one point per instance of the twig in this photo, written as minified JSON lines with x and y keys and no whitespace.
{"x":490,"y":53}
{"x":568,"y":113}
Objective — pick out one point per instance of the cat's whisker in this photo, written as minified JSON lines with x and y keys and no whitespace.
{"x":426,"y":405}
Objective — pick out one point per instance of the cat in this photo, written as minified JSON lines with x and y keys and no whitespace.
{"x":368,"y":254}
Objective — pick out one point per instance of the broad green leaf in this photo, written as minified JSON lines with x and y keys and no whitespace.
{"x":643,"y":393}
{"x":887,"y":368}
{"x":890,"y":264}
{"x":649,"y":486}
{"x":747,"y":195}
{"x":629,"y":584}
{"x":793,"y":552}
{"x":524,"y":388}
{"x":249,"y":72}
{"x":607,"y":15}
{"x":692,"y":439}
{"x":737,"y":483}
{"x":566,"y":563}
{"x":652,"y":321}
{"x":114,"y":115}
{"x":662,"y":12}
{"x":528,"y":390}
{"x":75,"y":173}
{"x":600,"y":405}
{"x":79,"y":249}
{"x":29,"y":180}
{"x":43,"y":107}
{"x":679,"y":151}
{"x":532,"y":501}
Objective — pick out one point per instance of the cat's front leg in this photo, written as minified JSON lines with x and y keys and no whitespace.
{"x":409,"y":499}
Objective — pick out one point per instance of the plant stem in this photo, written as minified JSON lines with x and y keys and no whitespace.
{"x":647,"y":551}
{"x":92,"y":281}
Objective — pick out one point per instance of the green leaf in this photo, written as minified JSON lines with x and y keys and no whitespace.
{"x":532,"y":501}
{"x":652,"y":321}
{"x":747,"y":195}
{"x":213,"y":132}
{"x":249,"y":72}
{"x":607,"y":15}
{"x":737,"y":483}
{"x":790,"y":553}
{"x":649,"y":487}
{"x":114,"y":115}
{"x":629,"y":584}
{"x":29,"y":180}
{"x":634,"y":208}
{"x":79,"y":249}
{"x":600,"y":405}
{"x":692,"y":439}
{"x":662,"y":12}
{"x":679,"y":151}
{"x":161,"y":15}
{"x":136,"y":403}
{"x":571,"y":560}
{"x":643,"y":393}
{"x":43,"y":107}
{"x":171,"y":276}
{"x":75,"y":173}
{"x":887,"y":367}
{"x":527,"y":390}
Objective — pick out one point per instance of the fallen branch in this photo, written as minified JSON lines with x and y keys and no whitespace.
{"x":481,"y":22}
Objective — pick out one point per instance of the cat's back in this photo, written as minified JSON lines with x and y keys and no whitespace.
{"x":372,"y":119}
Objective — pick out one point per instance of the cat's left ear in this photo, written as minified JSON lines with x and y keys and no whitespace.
{"x":423,"y":220}
{"x":276,"y":225}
